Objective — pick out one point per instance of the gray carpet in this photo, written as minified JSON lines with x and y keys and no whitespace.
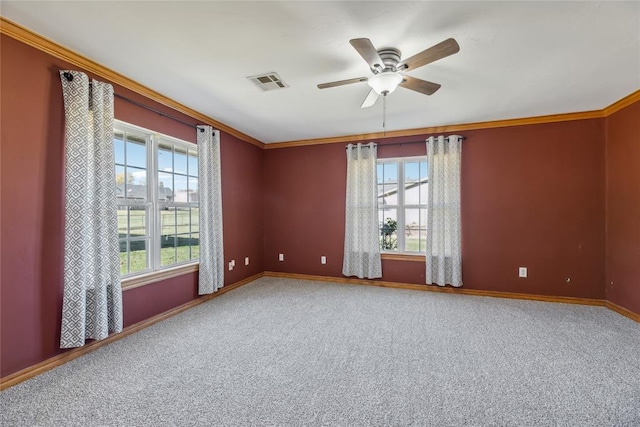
{"x":286,"y":352}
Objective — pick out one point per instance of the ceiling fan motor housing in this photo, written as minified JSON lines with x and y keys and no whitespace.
{"x":390,"y":57}
{"x":388,"y":68}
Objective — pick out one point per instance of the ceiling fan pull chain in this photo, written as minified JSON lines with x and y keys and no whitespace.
{"x":384,"y":115}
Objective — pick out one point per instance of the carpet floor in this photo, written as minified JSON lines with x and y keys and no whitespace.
{"x":282,"y":352}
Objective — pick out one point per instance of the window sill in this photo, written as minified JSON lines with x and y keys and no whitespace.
{"x":403,"y":257}
{"x":156,"y":276}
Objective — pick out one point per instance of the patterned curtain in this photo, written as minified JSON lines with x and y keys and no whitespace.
{"x":92,"y":298}
{"x":444,"y":255}
{"x":211,"y":276}
{"x":361,"y":237}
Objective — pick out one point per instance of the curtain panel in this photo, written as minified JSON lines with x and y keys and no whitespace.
{"x":361,"y":240}
{"x":92,"y":296}
{"x":211,"y":275}
{"x":444,"y":236}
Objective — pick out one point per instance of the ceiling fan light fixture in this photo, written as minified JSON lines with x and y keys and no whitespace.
{"x":385,"y":82}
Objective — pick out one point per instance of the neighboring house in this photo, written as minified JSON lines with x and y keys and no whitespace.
{"x":413,"y":191}
{"x":186,"y":196}
{"x":165,"y":194}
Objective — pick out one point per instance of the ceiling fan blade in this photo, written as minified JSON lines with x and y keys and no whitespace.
{"x":427,"y":56}
{"x":371,"y":99}
{"x":342,"y":82}
{"x":419,"y":85}
{"x":368,"y":52}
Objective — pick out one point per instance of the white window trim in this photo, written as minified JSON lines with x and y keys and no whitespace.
{"x":155,"y":272}
{"x":400,"y":208}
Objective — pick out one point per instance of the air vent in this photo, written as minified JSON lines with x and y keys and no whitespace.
{"x":268,"y":81}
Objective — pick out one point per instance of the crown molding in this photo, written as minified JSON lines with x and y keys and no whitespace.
{"x":32,"y":39}
{"x":620,"y":104}
{"x":52,"y":48}
{"x":552,"y":118}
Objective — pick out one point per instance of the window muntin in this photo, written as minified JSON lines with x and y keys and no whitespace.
{"x":157,"y":196}
{"x":402,"y":200}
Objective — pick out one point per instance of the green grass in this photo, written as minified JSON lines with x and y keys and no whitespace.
{"x":138,"y":259}
{"x":412,"y":244}
{"x":172,"y":222}
{"x":179,"y":223}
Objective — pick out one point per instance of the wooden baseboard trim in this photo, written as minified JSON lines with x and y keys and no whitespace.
{"x":433,"y":288}
{"x":61,"y":359}
{"x":623,"y":311}
{"x":495,"y":294}
{"x":53,"y":362}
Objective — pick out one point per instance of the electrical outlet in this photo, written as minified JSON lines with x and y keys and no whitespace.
{"x":522,"y":272}
{"x":230,"y":265}
{"x":233,"y":262}
{"x":281,"y":257}
{"x":246,"y":260}
{"x":323,"y":259}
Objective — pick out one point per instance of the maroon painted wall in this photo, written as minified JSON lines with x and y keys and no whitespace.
{"x":623,"y":208}
{"x":531,"y":196}
{"x":534,"y":196}
{"x":32,"y":183}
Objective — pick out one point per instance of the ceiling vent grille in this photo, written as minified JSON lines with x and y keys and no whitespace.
{"x":268,"y":81}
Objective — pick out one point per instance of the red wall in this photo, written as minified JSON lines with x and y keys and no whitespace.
{"x":531,"y":195}
{"x":32,"y":183}
{"x":623,"y":208}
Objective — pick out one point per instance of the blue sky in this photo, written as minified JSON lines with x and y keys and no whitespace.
{"x":388,"y":172}
{"x":170,"y":164}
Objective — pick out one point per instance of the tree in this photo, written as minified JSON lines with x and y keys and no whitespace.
{"x":388,"y":232}
{"x":120,"y":178}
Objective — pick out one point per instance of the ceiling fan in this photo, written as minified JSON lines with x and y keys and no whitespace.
{"x":388,"y":69}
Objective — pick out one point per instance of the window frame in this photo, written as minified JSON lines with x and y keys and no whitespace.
{"x":154,"y":271}
{"x":146,"y":204}
{"x":401,"y":207}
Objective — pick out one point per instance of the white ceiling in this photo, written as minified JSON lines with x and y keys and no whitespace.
{"x":516,"y":59}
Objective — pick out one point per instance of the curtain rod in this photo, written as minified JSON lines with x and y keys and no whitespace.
{"x":409,"y":143}
{"x":69,"y":77}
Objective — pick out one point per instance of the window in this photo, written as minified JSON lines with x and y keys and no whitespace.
{"x":157,"y":196}
{"x":402,"y":204}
